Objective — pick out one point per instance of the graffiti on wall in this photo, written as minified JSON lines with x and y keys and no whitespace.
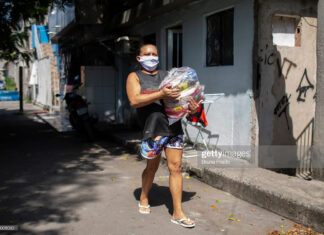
{"x":281,"y":108}
{"x":303,"y":88}
{"x":266,"y":57}
{"x":286,"y":66}
{"x":304,"y":85}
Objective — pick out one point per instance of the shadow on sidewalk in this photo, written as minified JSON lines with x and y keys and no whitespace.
{"x":44,"y":175}
{"x":161,"y":195}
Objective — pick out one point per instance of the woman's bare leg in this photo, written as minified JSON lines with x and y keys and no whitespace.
{"x":147,"y":180}
{"x":174,"y":159}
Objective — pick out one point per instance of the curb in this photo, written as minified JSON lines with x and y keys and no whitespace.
{"x":264,"y":188}
{"x":282,"y":203}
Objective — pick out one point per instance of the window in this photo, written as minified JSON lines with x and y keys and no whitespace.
{"x":219,"y":45}
{"x":286,"y":31}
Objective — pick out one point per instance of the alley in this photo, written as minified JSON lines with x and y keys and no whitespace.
{"x":53,"y":183}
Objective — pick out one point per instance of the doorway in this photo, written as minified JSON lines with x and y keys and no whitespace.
{"x":174,"y":47}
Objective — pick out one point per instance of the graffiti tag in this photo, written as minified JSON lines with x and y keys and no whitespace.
{"x":285,"y":67}
{"x":302,"y":90}
{"x":268,"y":58}
{"x":282,"y":107}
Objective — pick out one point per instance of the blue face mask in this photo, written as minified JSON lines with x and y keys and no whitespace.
{"x":149,"y":63}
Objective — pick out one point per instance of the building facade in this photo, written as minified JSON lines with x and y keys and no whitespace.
{"x":261,"y":54}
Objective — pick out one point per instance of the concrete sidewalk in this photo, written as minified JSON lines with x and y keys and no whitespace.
{"x":57,"y":183}
{"x":291,"y":197}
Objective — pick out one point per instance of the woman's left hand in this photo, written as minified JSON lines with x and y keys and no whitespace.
{"x":193,"y":105}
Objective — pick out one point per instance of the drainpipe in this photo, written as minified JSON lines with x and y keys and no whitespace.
{"x":21,"y":101}
{"x":318,"y":145}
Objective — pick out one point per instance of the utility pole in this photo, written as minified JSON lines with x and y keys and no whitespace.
{"x":21,"y":104}
{"x":318,"y":149}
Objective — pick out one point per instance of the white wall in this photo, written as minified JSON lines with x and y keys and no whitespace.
{"x":229,"y":117}
{"x":100,"y":91}
{"x":44,"y":95}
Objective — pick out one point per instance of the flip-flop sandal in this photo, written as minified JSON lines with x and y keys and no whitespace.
{"x":146,"y":207}
{"x":180,"y":222}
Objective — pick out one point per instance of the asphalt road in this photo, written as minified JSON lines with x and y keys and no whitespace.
{"x":53,"y":183}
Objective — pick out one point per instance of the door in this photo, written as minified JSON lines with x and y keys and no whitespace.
{"x":174,"y":47}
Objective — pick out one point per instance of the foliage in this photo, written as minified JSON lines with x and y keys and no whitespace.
{"x":17,"y":15}
{"x":14,"y":16}
{"x":10,"y":83}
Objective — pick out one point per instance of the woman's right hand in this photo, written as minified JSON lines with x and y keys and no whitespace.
{"x":170,"y":93}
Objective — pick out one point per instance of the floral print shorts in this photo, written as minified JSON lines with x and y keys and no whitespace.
{"x":151,"y":149}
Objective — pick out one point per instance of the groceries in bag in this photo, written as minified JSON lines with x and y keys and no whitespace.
{"x":186,"y":80}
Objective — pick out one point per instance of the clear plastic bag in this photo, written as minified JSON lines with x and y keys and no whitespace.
{"x":186,"y":79}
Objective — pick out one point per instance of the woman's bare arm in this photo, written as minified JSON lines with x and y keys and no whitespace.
{"x":137,"y":100}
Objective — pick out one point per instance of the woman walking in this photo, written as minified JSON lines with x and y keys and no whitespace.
{"x":144,"y":94}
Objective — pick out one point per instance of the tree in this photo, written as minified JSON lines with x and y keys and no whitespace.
{"x":14,"y":15}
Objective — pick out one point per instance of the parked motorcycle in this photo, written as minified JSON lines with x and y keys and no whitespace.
{"x":78,"y":113}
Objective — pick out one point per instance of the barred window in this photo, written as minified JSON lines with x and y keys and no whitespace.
{"x":219,"y":45}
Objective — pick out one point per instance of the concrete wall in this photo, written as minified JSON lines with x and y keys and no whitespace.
{"x":229,"y":117}
{"x":124,"y":113}
{"x":283,"y":71}
{"x":2,"y":72}
{"x":286,"y":67}
{"x":100,"y":91}
{"x":13,"y":72}
{"x":55,"y":75}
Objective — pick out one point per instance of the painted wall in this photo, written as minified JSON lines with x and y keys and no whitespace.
{"x":44,"y":96}
{"x":229,"y":117}
{"x":100,"y":90}
{"x":287,"y":74}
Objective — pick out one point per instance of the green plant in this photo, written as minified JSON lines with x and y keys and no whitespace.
{"x":14,"y":16}
{"x":10,"y":83}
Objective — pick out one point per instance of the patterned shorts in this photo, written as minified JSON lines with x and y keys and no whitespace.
{"x":151,"y":149}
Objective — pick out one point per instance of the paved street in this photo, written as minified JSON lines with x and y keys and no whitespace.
{"x":54,"y":183}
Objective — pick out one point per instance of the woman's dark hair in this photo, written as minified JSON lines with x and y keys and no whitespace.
{"x":138,"y":52}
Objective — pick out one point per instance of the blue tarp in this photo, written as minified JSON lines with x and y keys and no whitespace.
{"x":56,"y":48}
{"x":9,"y":95}
{"x":33,"y":36}
{"x":42,"y":34}
{"x":7,"y":92}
